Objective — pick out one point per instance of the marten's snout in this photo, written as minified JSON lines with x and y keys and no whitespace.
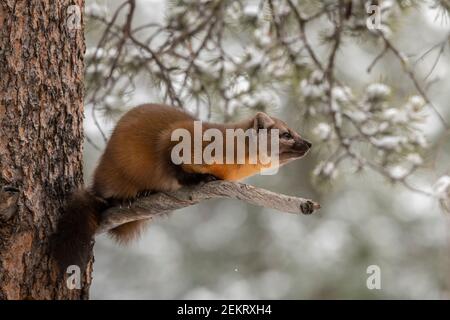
{"x":303,"y":146}
{"x":307,"y":143}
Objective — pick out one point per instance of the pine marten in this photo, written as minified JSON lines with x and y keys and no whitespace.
{"x":137,"y":159}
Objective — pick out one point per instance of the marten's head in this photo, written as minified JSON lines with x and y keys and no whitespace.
{"x":291,"y":145}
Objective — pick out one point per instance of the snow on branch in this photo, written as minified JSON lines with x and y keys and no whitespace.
{"x":162,"y":203}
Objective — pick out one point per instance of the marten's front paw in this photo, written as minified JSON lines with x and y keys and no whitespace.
{"x":209,"y":178}
{"x":144,"y":194}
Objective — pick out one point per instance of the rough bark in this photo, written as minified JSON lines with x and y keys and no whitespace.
{"x":163,"y":203}
{"x":41,"y":135}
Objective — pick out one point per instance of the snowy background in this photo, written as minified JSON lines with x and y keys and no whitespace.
{"x":230,"y":250}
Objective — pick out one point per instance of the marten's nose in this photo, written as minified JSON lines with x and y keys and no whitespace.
{"x":308,"y":144}
{"x":303,"y":145}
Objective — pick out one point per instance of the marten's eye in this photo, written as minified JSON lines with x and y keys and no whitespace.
{"x":286,"y":135}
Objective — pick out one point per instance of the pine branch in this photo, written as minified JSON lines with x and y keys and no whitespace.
{"x":163,"y":203}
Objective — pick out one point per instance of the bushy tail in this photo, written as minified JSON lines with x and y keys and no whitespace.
{"x":127,"y":232}
{"x":71,"y":244}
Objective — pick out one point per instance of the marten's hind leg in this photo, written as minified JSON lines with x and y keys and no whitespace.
{"x":132,"y":230}
{"x":129,"y":231}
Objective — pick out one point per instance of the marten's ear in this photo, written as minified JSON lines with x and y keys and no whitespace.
{"x":262,"y":121}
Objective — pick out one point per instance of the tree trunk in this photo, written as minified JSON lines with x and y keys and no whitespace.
{"x":41,"y":135}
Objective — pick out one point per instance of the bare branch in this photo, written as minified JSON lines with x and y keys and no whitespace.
{"x":163,"y":203}
{"x":413,"y":78}
{"x":302,"y":22}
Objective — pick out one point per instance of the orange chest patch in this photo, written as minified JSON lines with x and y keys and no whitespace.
{"x":230,"y":172}
{"x":233,"y":172}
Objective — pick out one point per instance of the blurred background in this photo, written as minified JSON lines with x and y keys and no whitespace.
{"x":373,"y":213}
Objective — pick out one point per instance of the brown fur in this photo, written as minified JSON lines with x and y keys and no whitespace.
{"x":128,"y":232}
{"x":137,"y":159}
